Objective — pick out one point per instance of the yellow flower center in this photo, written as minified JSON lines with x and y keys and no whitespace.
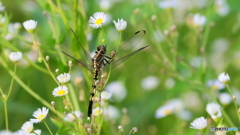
{"x":166,"y":112}
{"x":214,"y":87}
{"x":29,"y":129}
{"x":99,"y":21}
{"x":41,"y":117}
{"x":61,"y":92}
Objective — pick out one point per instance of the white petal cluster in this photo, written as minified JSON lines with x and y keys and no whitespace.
{"x":225,"y":98}
{"x":40,"y":114}
{"x":97,"y":111}
{"x":214,"y":110}
{"x":30,"y":25}
{"x":120,"y":24}
{"x":199,"y":123}
{"x":60,"y":91}
{"x":97,"y":20}
{"x":105,"y":95}
{"x":64,"y":78}
{"x":15,"y":56}
{"x":224,"y":78}
{"x":199,"y":20}
{"x":27,"y":126}
{"x":215,"y":85}
{"x":72,"y":116}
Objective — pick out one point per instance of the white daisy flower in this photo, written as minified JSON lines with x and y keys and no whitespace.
{"x":199,"y":123}
{"x":214,"y":110}
{"x":15,"y":56}
{"x":150,"y":82}
{"x":63,"y":78}
{"x":6,"y":132}
{"x":40,"y":115}
{"x":199,"y":20}
{"x":225,"y":98}
{"x":97,"y":20}
{"x":105,"y":95}
{"x":215,"y":85}
{"x":120,"y":25}
{"x":60,"y":91}
{"x":27,"y":126}
{"x":163,"y":111}
{"x":97,"y":111}
{"x":70,"y":117}
{"x":30,"y":25}
{"x":224,"y":78}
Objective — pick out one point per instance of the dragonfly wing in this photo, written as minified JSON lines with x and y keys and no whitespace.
{"x":116,"y":62}
{"x":87,"y":66}
{"x":128,"y":46}
{"x":89,"y":58}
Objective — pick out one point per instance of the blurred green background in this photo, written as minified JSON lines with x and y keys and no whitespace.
{"x":183,"y":56}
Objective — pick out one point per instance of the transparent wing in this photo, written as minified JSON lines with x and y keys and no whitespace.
{"x":130,"y":44}
{"x":88,"y":57}
{"x":87,"y":66}
{"x":116,"y":62}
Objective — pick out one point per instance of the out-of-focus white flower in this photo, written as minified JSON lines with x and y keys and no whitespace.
{"x":1,"y":7}
{"x":97,"y":20}
{"x":197,"y":62}
{"x":169,"y":83}
{"x":222,"y":7}
{"x":105,"y":95}
{"x":215,"y":85}
{"x":120,"y":25}
{"x":225,"y":98}
{"x":105,"y":4}
{"x":2,"y":20}
{"x":169,"y":4}
{"x":15,"y":56}
{"x":199,"y":20}
{"x":111,"y":112}
{"x":64,"y":78}
{"x":60,"y":91}
{"x":97,"y":111}
{"x":40,"y":115}
{"x":163,"y":111}
{"x":30,"y":25}
{"x":224,"y":78}
{"x":214,"y":110}
{"x":150,"y":82}
{"x":199,"y":123}
{"x":117,"y":90}
{"x":27,"y":126}
{"x":5,"y":132}
{"x":72,"y":116}
{"x":184,"y":115}
{"x":17,"y":26}
{"x":172,"y":106}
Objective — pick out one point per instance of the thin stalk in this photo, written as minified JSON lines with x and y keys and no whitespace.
{"x":11,"y":84}
{"x":235,"y":104}
{"x":48,"y":128}
{"x":25,"y":87}
{"x":6,"y":113}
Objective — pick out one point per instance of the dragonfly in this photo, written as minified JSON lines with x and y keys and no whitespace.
{"x":103,"y":59}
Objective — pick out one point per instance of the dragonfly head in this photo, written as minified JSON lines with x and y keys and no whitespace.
{"x":102,"y":49}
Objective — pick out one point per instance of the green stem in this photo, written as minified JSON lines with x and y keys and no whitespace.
{"x":48,"y":128}
{"x":6,"y":113}
{"x":11,"y":84}
{"x":104,"y":35}
{"x":235,"y":104}
{"x":25,"y":87}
